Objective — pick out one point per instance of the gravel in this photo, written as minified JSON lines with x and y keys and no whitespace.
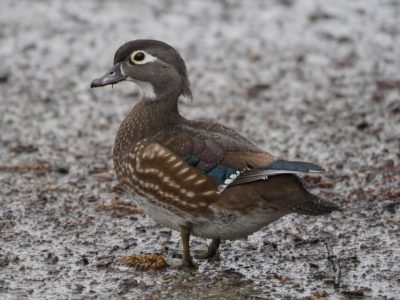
{"x":308,"y":80}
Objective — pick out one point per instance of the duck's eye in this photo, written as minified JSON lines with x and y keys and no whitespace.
{"x":141,"y":57}
{"x":138,"y":56}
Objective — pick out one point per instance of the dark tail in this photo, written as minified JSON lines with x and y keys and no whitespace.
{"x":315,"y":206}
{"x":288,"y":192}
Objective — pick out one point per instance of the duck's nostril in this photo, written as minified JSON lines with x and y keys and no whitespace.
{"x":111,"y":73}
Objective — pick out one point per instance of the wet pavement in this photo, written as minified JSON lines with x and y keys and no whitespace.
{"x":306,"y":80}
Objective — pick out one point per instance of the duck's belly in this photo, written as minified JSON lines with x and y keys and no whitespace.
{"x":226,"y":226}
{"x":161,"y":215}
{"x":229,"y":226}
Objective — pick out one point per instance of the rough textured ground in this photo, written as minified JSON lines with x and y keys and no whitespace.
{"x":311,"y":80}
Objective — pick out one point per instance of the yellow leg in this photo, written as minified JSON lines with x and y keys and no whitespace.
{"x":186,"y":259}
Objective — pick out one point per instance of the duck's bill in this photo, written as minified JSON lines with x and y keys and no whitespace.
{"x":113,"y":76}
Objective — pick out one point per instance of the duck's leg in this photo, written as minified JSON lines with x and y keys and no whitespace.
{"x":186,"y":259}
{"x":211,"y":251}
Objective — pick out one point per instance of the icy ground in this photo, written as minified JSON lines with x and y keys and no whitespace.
{"x":308,"y":80}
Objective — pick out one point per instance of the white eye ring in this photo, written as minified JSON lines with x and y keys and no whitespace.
{"x":141,"y":57}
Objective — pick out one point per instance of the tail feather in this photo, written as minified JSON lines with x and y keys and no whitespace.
{"x":275,"y":168}
{"x":288,"y":193}
{"x":315,"y":206}
{"x":297,"y":166}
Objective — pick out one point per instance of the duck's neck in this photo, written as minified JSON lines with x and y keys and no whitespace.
{"x":146,"y":118}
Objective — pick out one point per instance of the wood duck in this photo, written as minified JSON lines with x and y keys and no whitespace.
{"x":197,"y":177}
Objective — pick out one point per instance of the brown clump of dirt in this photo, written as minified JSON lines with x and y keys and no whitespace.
{"x":145,"y":261}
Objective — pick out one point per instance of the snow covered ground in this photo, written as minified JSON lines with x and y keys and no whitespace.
{"x":309,"y":80}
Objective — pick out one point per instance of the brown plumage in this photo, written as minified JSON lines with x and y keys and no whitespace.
{"x":197,"y":177}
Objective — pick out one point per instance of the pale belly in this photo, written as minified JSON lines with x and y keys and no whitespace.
{"x":233,"y":226}
{"x":226,"y":226}
{"x":159,"y":214}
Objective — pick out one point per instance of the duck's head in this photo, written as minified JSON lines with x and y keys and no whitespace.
{"x":156,"y":67}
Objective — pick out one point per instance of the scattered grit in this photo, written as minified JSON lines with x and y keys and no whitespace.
{"x":309,"y":80}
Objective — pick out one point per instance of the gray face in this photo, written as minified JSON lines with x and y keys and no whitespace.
{"x":155,"y":66}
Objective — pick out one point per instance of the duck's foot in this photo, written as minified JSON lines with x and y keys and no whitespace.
{"x":211,"y":251}
{"x":188,"y":264}
{"x":144,"y":261}
{"x":187,"y":261}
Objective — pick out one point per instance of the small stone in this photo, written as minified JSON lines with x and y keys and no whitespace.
{"x":354,"y":293}
{"x":84,"y":260}
{"x":51,"y":258}
{"x":104,"y":176}
{"x":390,"y":206}
{"x":362,"y":125}
{"x":127,"y":284}
{"x":312,"y":178}
{"x":4,"y":262}
{"x":257,"y":89}
{"x":326,"y":184}
{"x":255,"y":56}
{"x":61,"y":168}
{"x":79,"y":287}
{"x":105,"y":261}
{"x":24,"y":149}
{"x":4,"y":76}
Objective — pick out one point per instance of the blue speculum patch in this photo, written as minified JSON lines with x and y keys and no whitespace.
{"x":221,"y":173}
{"x":218,"y":172}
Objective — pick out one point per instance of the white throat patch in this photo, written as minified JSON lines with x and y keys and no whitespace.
{"x":146,"y":88}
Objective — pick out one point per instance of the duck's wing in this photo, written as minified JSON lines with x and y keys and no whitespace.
{"x":225,"y":156}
